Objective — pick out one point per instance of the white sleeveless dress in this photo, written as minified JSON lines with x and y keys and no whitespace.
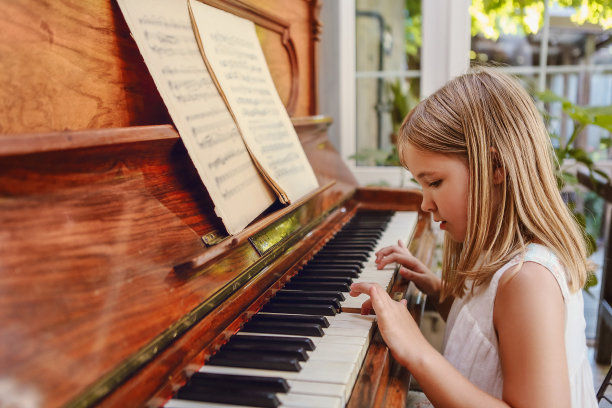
{"x":470,"y":342}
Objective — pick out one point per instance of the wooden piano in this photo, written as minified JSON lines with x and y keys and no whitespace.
{"x":117,"y":280}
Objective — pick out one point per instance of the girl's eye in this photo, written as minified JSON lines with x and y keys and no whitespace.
{"x":435,"y":183}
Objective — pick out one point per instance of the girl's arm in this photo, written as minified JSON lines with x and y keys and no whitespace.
{"x":414,"y":270}
{"x":529,"y":319}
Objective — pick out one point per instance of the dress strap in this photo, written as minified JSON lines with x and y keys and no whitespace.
{"x":547,"y":258}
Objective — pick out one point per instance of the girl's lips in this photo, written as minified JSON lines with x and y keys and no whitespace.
{"x":442,"y":224}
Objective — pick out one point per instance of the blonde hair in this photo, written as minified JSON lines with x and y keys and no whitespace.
{"x":488,"y":118}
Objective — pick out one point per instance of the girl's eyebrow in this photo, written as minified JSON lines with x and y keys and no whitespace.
{"x":424,"y":174}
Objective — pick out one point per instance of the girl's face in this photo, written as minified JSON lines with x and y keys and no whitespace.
{"x":444,"y":179}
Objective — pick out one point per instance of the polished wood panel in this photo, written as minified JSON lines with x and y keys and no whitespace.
{"x":72,"y":64}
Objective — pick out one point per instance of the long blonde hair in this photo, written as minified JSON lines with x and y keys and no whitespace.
{"x":488,"y":118}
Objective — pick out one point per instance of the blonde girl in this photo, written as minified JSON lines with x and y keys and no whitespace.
{"x":514,"y":258}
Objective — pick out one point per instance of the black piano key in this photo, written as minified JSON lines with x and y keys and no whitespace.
{"x":322,"y":267}
{"x":329,"y":272}
{"x":254,"y":339}
{"x":226,"y":395}
{"x":257,"y":351}
{"x":356,"y":236}
{"x":307,"y":300}
{"x":342,"y":287}
{"x":317,"y":293}
{"x":324,"y":310}
{"x":247,"y":382}
{"x":248,"y":360}
{"x":298,"y":329}
{"x":359,"y":257}
{"x":342,"y":246}
{"x":343,"y":253}
{"x":321,"y":278}
{"x":277,"y":349}
{"x":291,"y":318}
{"x":336,"y":262}
{"x":354,"y":241}
{"x":363,"y":228}
{"x":335,"y":268}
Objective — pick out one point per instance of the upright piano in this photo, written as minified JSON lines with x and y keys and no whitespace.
{"x":118,"y":283}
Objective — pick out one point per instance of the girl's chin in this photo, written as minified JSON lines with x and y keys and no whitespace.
{"x":453,"y":237}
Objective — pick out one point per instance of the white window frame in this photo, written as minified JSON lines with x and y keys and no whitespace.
{"x":444,"y":54}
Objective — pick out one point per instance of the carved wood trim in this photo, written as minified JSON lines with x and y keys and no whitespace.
{"x":274,"y":24}
{"x":317,"y":25}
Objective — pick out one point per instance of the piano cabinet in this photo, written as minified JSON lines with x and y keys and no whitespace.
{"x":117,"y":279}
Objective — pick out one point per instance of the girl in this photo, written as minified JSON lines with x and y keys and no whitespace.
{"x":514,"y":259}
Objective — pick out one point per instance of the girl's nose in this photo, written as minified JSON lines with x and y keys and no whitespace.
{"x":427,"y":204}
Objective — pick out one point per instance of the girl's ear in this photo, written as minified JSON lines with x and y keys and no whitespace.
{"x":499,"y":173}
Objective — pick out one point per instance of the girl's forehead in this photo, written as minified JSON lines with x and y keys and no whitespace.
{"x":421,"y":160}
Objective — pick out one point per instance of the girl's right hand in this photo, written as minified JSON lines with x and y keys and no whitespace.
{"x":411,"y":267}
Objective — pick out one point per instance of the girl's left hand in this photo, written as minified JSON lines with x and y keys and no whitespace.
{"x":399,"y":330}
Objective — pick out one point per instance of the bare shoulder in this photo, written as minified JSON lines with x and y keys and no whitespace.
{"x":528,"y":296}
{"x":530,"y":278}
{"x":529,"y":319}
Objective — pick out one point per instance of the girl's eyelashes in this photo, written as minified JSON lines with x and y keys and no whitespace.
{"x":435,"y":183}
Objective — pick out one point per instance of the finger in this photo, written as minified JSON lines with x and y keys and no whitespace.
{"x":408,"y":274}
{"x":404,"y":302}
{"x":366,"y":307}
{"x":359,"y":288}
{"x":395,"y":257}
{"x":382,"y":253}
{"x":379,"y":297}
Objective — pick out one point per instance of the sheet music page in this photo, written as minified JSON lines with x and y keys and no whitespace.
{"x":233,"y":52}
{"x":165,"y":37}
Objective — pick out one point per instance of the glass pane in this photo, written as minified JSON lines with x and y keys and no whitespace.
{"x":388,"y":41}
{"x":382,"y":104}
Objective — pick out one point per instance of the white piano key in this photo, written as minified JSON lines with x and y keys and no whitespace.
{"x":294,"y":400}
{"x":320,"y":371}
{"x":180,"y":403}
{"x":336,"y":352}
{"x":289,"y":400}
{"x":351,"y":319}
{"x":318,"y":388}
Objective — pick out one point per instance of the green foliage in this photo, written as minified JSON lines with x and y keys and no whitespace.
{"x":494,"y":17}
{"x":582,"y":116}
{"x":412,"y":27}
{"x":400,"y":103}
{"x":379,"y":157}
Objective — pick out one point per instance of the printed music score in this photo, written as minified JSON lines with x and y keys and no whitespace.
{"x":165,"y":37}
{"x":233,"y":54}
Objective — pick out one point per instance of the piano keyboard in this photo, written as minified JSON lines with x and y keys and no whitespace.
{"x":303,"y":349}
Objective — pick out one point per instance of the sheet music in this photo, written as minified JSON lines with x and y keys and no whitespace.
{"x":232,"y":50}
{"x":164,"y":34}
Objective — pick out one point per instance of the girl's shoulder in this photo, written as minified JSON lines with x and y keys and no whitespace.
{"x":546,"y":260}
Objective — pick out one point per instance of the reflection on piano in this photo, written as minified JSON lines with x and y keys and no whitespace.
{"x":119,"y":285}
